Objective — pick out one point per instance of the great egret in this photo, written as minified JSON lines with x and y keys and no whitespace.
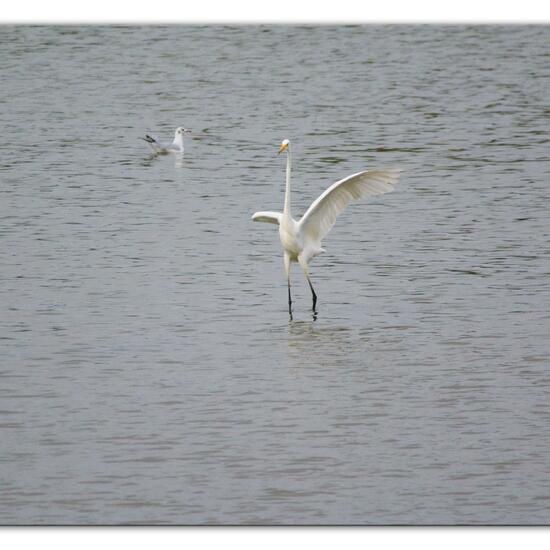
{"x":175,"y":147}
{"x":301,"y":240}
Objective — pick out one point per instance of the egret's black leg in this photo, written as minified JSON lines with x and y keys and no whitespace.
{"x":287,"y":270}
{"x":312,"y":293}
{"x":289,"y":300}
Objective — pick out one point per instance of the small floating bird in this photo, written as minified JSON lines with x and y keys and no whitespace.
{"x":160,"y":148}
{"x":301,"y":240}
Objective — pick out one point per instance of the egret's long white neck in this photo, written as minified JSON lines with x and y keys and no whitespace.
{"x":287,"y":191}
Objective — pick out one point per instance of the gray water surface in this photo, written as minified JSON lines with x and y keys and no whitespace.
{"x":149,"y":370}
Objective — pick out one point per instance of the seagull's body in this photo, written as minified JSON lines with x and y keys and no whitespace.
{"x":160,"y":148}
{"x":301,"y":240}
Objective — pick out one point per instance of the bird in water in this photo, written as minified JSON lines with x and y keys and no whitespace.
{"x":301,"y":239}
{"x":161,"y":148}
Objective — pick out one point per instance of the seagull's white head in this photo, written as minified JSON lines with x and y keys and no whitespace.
{"x":284,"y":145}
{"x":181,"y":130}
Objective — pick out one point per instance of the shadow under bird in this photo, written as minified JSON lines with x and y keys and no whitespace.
{"x":301,"y":239}
{"x":160,"y":148}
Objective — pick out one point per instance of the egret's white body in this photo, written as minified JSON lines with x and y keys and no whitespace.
{"x":301,"y":239}
{"x":175,"y":147}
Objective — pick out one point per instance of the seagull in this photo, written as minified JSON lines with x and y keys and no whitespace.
{"x":301,"y":239}
{"x":161,"y":148}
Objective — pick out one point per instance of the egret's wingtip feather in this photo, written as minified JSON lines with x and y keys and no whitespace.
{"x":321,"y":215}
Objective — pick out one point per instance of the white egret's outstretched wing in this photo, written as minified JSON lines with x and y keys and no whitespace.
{"x":321,"y":215}
{"x":267,"y":217}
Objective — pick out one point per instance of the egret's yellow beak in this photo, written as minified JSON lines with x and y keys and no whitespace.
{"x":282,"y":148}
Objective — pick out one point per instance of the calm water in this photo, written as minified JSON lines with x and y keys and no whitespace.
{"x":149,"y":370}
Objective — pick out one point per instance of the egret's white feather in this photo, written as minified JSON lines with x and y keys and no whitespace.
{"x":321,"y":216}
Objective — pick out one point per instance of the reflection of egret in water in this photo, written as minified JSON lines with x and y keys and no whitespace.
{"x":308,"y":343}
